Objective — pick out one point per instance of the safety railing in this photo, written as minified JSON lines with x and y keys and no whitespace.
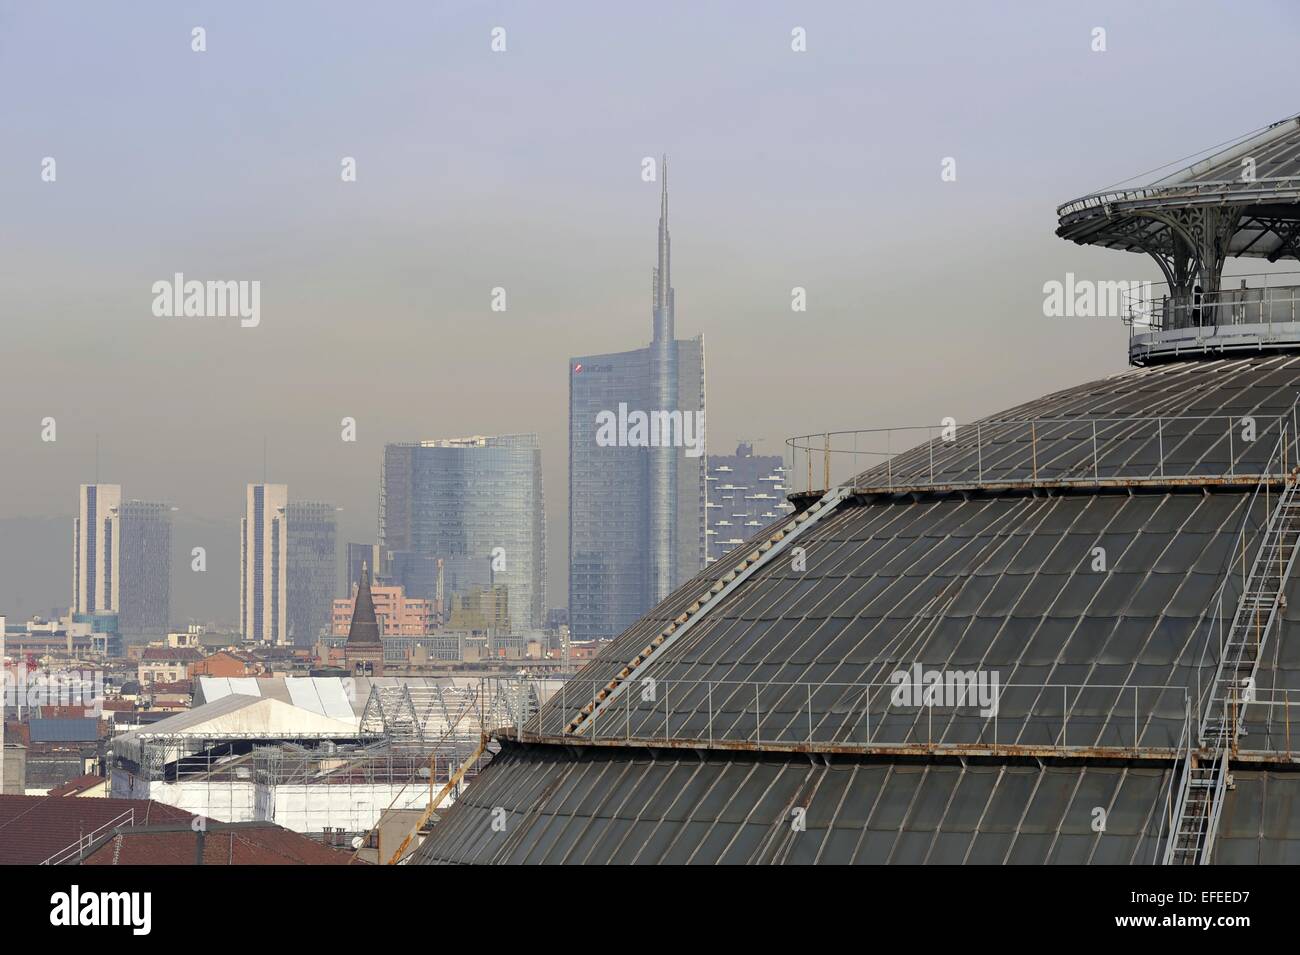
{"x":1176,"y":191}
{"x":963,"y":709}
{"x":1270,"y":722}
{"x":1241,"y":556}
{"x":1049,"y":450}
{"x":1173,"y":791}
{"x":88,"y":839}
{"x":1261,"y":298}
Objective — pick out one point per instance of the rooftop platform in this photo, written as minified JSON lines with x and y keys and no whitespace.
{"x":1240,"y":200}
{"x":1259,"y":175}
{"x":1250,"y":314}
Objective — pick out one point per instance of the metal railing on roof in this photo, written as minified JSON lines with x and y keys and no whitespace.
{"x":966,"y":710}
{"x":1186,"y":749}
{"x":1050,"y":451}
{"x":1258,"y":298}
{"x":1190,"y":190}
{"x":84,"y":842}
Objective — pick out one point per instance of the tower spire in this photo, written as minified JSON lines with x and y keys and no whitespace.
{"x":663,"y":196}
{"x":663,"y":285}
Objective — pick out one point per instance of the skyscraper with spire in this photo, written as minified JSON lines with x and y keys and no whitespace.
{"x":636,"y":467}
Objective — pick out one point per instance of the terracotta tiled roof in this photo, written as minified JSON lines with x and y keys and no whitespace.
{"x":78,"y":785}
{"x":33,"y":828}
{"x":180,"y":686}
{"x":180,"y":654}
{"x":244,"y":844}
{"x":52,"y":712}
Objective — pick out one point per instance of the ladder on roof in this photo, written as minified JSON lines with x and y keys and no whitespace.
{"x":1205,"y":774}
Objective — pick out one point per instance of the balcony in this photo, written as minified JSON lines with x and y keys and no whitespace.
{"x":1257,"y":315}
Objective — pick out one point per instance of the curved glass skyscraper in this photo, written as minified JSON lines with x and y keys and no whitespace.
{"x":471,"y":503}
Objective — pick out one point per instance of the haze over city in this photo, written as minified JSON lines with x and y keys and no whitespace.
{"x":818,"y":170}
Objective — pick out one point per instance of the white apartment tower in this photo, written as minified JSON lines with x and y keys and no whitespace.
{"x":121,"y":560}
{"x":288,"y":567}
{"x":263,"y":564}
{"x":96,"y":550}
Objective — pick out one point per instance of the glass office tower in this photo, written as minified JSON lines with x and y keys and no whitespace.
{"x":474,"y":504}
{"x":636,"y":488}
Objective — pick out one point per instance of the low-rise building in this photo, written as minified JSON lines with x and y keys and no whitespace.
{"x":166,"y":664}
{"x":227,"y":663}
{"x":398,"y":615}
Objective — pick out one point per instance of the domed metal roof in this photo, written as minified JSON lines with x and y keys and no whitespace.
{"x":776,"y":685}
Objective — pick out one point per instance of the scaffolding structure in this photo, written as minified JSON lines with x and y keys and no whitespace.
{"x":408,"y":739}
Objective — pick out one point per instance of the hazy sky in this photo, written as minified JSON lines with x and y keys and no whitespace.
{"x":521,"y":169}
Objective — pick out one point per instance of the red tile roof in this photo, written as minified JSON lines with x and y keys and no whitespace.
{"x":52,"y":712}
{"x":182,"y":687}
{"x":33,"y":828}
{"x":243,"y":844}
{"x":185,"y":654}
{"x":78,"y":785}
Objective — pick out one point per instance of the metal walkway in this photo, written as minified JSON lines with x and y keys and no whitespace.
{"x":1205,"y":773}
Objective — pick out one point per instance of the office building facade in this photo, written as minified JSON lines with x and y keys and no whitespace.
{"x":464,"y":512}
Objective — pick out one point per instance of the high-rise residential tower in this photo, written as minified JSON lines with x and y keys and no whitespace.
{"x":313,"y":571}
{"x":121,"y":560}
{"x":636,"y":467}
{"x":467,"y":512}
{"x":96,"y":534}
{"x":288,"y":570}
{"x":746,"y":494}
{"x":263,"y":563}
{"x":144,"y":556}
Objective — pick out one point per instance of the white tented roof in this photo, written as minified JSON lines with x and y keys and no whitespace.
{"x":334,"y":697}
{"x":241,"y":716}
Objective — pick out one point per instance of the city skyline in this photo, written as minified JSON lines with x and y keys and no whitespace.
{"x":787,"y":194}
{"x":970,"y":539}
